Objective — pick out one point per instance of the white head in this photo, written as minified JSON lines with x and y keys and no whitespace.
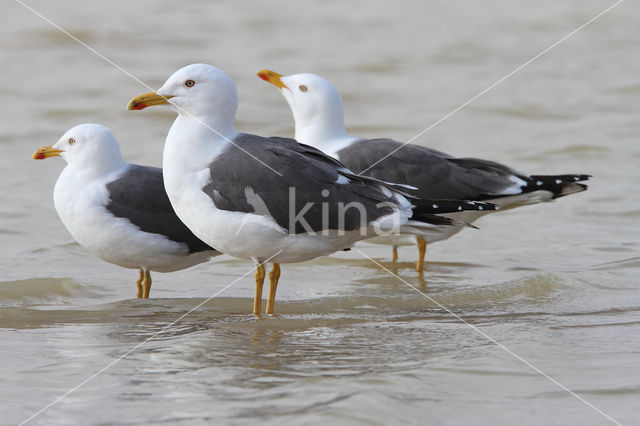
{"x":86,"y":148}
{"x":197,"y":90}
{"x":315,"y":103}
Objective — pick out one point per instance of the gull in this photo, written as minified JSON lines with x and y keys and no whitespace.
{"x":319,"y":121}
{"x":119,"y":211}
{"x":271,"y":199}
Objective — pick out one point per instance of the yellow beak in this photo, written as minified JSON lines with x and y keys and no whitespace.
{"x":46,"y":152}
{"x":273,"y":78}
{"x":147,"y":100}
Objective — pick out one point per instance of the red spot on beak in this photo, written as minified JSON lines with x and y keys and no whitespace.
{"x":263,"y":76}
{"x":39,"y":156}
{"x":139,"y":106}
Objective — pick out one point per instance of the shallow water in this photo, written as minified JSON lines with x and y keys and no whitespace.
{"x":556,"y":284}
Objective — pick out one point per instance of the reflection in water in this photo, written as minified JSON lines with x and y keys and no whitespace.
{"x":313,"y":354}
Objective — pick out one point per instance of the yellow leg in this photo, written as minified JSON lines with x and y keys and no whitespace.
{"x":139,"y":283}
{"x":147,"y":285}
{"x":257,"y":299}
{"x":395,"y":254}
{"x":274,"y":276}
{"x":422,"y":250}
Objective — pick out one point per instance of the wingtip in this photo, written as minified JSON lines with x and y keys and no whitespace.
{"x":483,"y":205}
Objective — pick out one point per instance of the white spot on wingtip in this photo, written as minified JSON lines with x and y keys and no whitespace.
{"x":480,"y":208}
{"x":435,"y":206}
{"x":459,"y":207}
{"x":576,"y":178}
{"x":539,"y":183}
{"x":558,"y":181}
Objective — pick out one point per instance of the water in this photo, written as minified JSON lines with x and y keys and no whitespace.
{"x":556,"y":284}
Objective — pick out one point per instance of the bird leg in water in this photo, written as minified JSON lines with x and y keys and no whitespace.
{"x":139,"y":283}
{"x":146,"y":284}
{"x":422,"y":250}
{"x":394,"y":257}
{"x":274,"y":276}
{"x":257,"y":299}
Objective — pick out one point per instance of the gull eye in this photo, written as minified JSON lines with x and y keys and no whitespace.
{"x":72,"y":141}
{"x":303,"y":88}
{"x":189,"y":83}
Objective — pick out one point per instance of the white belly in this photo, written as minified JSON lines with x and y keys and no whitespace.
{"x":114,"y":239}
{"x":247,"y":235}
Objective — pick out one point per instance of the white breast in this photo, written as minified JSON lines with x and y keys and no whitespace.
{"x":81,"y":207}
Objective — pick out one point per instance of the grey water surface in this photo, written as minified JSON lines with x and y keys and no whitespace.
{"x":555,"y":284}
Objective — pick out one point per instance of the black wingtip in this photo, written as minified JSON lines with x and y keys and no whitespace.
{"x":550,"y":180}
{"x":434,"y":219}
{"x":451,"y":206}
{"x":559,"y":185}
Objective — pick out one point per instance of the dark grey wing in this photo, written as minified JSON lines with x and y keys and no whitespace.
{"x":439,"y":175}
{"x":239,"y":183}
{"x":138,"y":195}
{"x":307,"y":150}
{"x":314,"y":193}
{"x":340,"y":167}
